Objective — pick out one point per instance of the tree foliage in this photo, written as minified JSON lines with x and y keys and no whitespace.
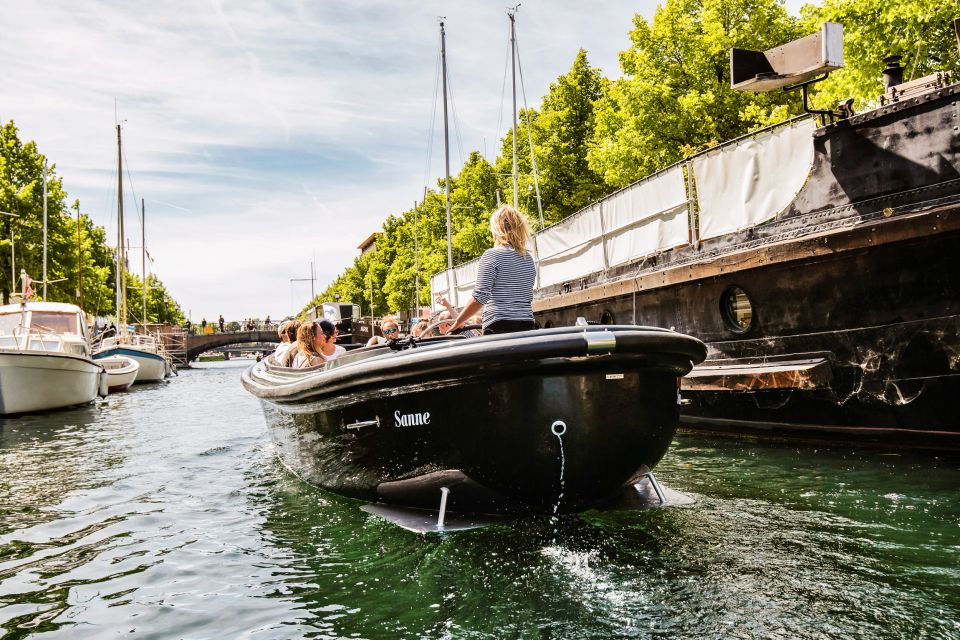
{"x":675,"y":95}
{"x":918,"y":31}
{"x":21,"y":194}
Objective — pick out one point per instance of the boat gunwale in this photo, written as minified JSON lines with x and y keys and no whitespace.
{"x":532,"y":352}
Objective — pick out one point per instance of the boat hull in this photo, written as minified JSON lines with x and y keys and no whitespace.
{"x":153,"y":367}
{"x":546,"y":434}
{"x":121,"y":372}
{"x":42,"y":381}
{"x":854,"y":294}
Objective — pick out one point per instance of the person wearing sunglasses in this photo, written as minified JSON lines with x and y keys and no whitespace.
{"x":390,"y":330}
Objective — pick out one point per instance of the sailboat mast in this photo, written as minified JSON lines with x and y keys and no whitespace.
{"x":143,"y":254}
{"x":446,"y":153}
{"x":513,"y":78}
{"x":121,"y":254}
{"x":79,"y":259}
{"x":416,"y":258}
{"x":44,"y":229}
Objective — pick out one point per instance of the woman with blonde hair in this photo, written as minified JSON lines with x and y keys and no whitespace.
{"x":316,"y":344}
{"x":505,"y":278}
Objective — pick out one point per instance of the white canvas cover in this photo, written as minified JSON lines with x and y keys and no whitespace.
{"x":572,"y":248}
{"x":466,"y":278}
{"x":744,"y":184}
{"x":647,"y":217}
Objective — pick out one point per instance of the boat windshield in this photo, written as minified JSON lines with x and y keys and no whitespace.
{"x":9,"y":322}
{"x":54,"y":322}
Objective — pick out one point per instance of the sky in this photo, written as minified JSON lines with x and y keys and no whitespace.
{"x":264,"y":136}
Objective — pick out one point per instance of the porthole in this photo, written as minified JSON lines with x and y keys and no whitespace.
{"x":736,"y":309}
{"x":606,"y":317}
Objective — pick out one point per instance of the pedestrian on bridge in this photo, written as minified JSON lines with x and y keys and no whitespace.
{"x":220,"y":321}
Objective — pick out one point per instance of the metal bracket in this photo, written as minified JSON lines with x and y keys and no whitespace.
{"x":364,"y":423}
{"x":656,"y":486}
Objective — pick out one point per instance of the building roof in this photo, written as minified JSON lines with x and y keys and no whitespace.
{"x":369,"y":240}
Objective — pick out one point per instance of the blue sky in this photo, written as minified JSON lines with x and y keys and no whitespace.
{"x":264,"y":135}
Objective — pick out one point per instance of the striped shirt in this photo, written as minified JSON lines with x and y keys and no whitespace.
{"x":505,"y":285}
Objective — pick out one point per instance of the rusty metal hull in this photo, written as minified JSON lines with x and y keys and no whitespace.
{"x":854,"y":288}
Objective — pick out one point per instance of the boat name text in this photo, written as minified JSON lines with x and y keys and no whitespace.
{"x":411,"y":419}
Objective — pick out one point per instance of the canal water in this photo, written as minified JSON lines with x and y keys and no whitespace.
{"x":163,"y":513}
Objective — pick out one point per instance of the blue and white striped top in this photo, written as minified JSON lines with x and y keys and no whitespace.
{"x":505,"y":285}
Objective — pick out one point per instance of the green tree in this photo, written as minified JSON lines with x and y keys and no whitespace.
{"x":873,"y":30}
{"x":675,"y":96}
{"x":562,"y":136}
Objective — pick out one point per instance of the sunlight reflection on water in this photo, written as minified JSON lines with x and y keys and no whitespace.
{"x":163,"y":513}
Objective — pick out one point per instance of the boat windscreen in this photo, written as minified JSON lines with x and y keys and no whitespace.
{"x":9,"y":322}
{"x":54,"y":322}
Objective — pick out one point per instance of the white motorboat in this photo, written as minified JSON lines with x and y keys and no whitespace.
{"x":121,"y":372}
{"x":142,"y":348}
{"x":45,"y":358}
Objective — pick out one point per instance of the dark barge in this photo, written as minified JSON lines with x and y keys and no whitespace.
{"x":817,"y":262}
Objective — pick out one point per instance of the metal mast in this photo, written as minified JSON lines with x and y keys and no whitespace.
{"x":121,"y":254}
{"x":446,"y":152}
{"x":143,"y":254}
{"x":44,"y":229}
{"x":79,"y":259}
{"x":513,"y":78}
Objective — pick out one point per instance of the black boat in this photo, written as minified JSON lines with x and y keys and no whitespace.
{"x":545,"y":421}
{"x":816,"y":259}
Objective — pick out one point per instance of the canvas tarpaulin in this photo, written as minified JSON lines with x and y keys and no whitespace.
{"x":751,"y":181}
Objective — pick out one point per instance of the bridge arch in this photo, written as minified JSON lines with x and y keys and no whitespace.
{"x":195,"y":345}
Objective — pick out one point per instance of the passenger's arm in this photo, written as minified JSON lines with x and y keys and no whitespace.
{"x":470,"y":309}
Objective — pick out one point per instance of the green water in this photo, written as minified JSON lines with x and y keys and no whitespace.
{"x":162,"y":513}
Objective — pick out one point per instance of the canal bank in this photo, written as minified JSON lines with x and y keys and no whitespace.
{"x":164,"y":513}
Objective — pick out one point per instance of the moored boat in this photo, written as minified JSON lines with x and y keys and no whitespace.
{"x":45,"y":358}
{"x":144,"y":349}
{"x":121,"y":372}
{"x":815,"y":258}
{"x":539,"y":421}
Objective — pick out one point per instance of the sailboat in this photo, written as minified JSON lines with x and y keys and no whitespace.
{"x":45,"y":358}
{"x":144,"y":349}
{"x":436,"y":431}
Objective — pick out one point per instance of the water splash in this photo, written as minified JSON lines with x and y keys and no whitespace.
{"x":559,"y":428}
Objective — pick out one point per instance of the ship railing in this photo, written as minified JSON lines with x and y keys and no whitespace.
{"x":730,"y":187}
{"x":36,"y":339}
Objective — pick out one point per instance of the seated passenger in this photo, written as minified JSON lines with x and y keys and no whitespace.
{"x":473,"y":333}
{"x":390,"y":331}
{"x":328,"y":347}
{"x":418,"y":328}
{"x":309,"y":341}
{"x":316,"y":344}
{"x":287,"y":348}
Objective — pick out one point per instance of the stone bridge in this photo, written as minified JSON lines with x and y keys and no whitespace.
{"x":195,"y":345}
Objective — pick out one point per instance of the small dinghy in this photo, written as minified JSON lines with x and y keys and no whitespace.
{"x":121,"y":372}
{"x":548,"y":421}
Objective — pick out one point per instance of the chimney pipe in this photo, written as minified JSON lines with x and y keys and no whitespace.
{"x":893,"y":73}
